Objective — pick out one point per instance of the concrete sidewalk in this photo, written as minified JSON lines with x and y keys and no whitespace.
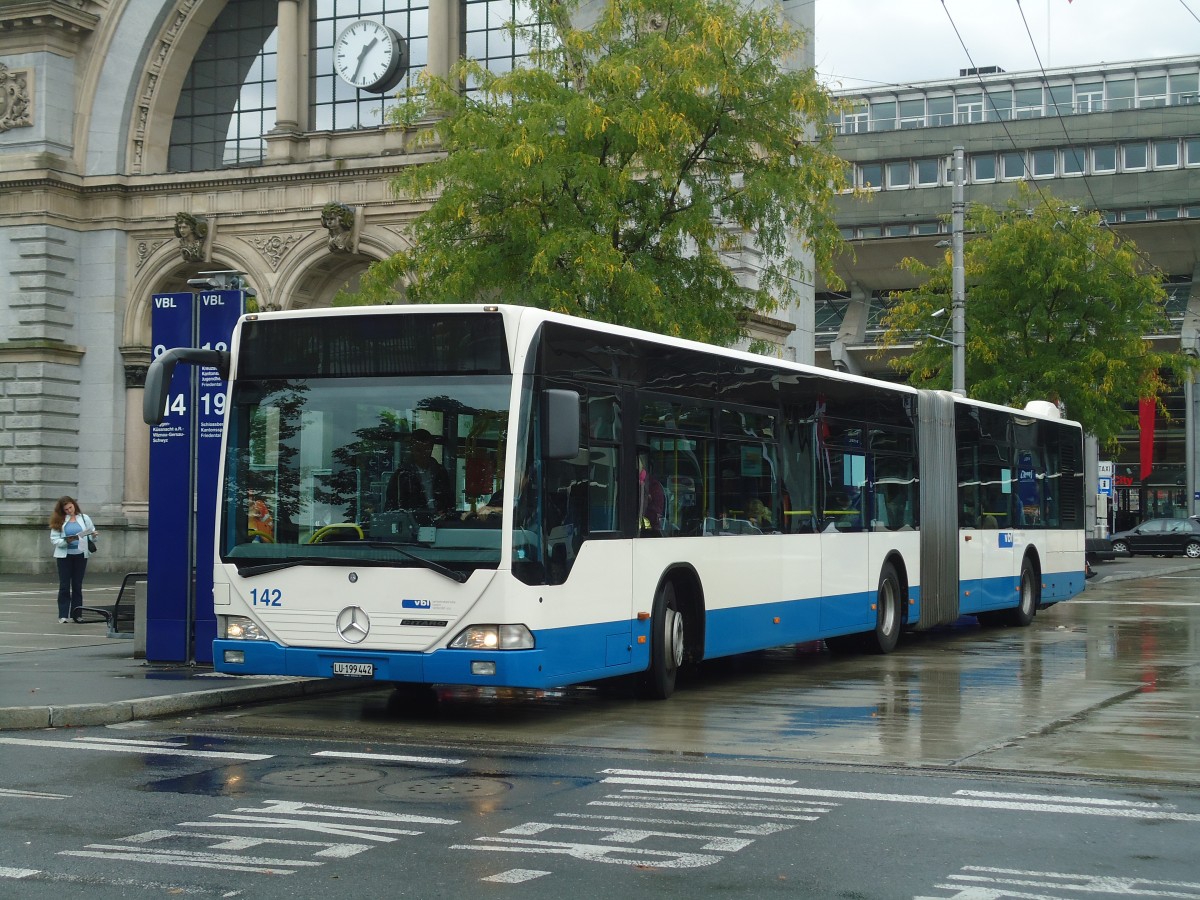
{"x":54,"y":675}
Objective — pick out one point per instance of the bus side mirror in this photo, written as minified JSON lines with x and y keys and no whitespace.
{"x":561,"y":409}
{"x":158,"y":377}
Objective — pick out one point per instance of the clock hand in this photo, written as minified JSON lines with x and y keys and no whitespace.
{"x":363,"y":55}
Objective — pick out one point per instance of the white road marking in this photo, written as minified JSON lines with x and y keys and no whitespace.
{"x":390,"y":757}
{"x":1076,"y":602}
{"x":228,"y":862}
{"x":986,"y":883}
{"x":764,"y":828}
{"x":516,"y":876}
{"x":334,"y":850}
{"x":373,"y":833}
{"x":621,"y":856}
{"x":1048,"y":805}
{"x":634,"y":835}
{"x":130,"y":742}
{"x":6,"y":872}
{"x":368,"y":828}
{"x":32,"y":795}
{"x":667,"y":803}
{"x":91,"y":880}
{"x":708,"y":779}
{"x":94,"y":744}
{"x":1092,"y":801}
{"x":299,"y":807}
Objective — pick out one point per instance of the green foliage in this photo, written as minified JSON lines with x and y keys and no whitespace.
{"x":612,"y":176}
{"x":1057,"y":308}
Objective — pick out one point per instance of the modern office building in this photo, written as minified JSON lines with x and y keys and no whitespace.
{"x":143,"y":142}
{"x":1123,"y":138}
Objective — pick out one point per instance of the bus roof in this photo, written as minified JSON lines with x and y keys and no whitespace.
{"x":529,"y":315}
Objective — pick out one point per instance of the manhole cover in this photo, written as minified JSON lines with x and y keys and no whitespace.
{"x":318,"y":776}
{"x":445,"y":788}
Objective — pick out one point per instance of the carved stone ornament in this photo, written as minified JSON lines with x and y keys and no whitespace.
{"x":145,"y":249}
{"x":275,"y":247}
{"x":338,"y":219}
{"x":15,"y":107}
{"x":192,"y":232}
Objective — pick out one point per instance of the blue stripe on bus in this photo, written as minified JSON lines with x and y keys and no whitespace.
{"x":588,"y":652}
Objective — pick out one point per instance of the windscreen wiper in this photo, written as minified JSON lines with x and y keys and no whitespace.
{"x":387,"y":545}
{"x":249,"y":571}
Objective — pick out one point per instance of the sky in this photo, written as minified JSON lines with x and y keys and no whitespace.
{"x":865,"y":43}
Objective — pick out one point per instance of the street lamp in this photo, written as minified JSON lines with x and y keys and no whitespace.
{"x":958,"y":278}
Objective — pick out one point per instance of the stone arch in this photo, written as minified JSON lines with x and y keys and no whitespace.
{"x":315,"y":275}
{"x":168,"y":61}
{"x":164,"y":272}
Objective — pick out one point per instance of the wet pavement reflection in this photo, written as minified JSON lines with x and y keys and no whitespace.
{"x":1107,"y":684}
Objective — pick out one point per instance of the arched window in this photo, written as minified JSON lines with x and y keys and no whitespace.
{"x":227,"y":102}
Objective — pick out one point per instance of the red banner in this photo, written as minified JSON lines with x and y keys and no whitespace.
{"x":1146,"y":412}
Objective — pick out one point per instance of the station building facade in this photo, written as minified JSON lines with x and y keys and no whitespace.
{"x":1123,"y":138}
{"x":144,"y":142}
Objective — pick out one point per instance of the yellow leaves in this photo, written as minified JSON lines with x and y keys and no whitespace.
{"x":526,"y":153}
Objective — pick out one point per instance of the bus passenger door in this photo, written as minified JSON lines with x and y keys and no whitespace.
{"x":1000,"y":572}
{"x":847,"y":591}
{"x":970,"y":534}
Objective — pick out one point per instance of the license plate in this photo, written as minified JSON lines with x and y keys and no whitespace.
{"x":354,"y":670}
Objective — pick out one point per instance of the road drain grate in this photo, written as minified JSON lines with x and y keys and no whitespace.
{"x":444,"y":788}
{"x":321,"y":776}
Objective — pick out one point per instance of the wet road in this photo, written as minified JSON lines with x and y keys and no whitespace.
{"x":1056,"y":762}
{"x":1106,"y":685}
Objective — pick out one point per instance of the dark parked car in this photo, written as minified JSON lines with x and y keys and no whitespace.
{"x":1099,"y":550}
{"x":1166,"y":537}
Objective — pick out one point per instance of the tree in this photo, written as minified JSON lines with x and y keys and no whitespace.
{"x":1057,"y":308}
{"x":611,"y":177}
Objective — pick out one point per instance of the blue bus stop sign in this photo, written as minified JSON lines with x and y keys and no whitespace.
{"x":169,"y":542}
{"x":184,"y":462}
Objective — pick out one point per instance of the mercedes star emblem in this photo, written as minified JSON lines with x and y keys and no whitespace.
{"x":353,"y":624}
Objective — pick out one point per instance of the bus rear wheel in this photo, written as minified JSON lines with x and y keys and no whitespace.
{"x":1027,"y":606}
{"x":666,"y":645}
{"x":887,"y":612}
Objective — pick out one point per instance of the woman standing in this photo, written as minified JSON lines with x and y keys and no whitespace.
{"x":71,"y":533}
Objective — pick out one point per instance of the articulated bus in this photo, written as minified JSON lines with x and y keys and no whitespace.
{"x":501,"y":496}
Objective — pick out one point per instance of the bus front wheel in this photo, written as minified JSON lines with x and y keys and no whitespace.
{"x":666,"y":645}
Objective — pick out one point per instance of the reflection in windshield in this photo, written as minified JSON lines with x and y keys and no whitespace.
{"x":323,"y":468}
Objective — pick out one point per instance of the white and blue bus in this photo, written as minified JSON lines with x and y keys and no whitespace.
{"x":501,"y":496}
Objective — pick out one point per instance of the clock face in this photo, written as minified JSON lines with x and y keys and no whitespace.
{"x":370,"y":56}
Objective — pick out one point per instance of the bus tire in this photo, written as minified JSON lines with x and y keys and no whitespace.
{"x":666,"y":645}
{"x":887,"y":612}
{"x":1027,"y":604}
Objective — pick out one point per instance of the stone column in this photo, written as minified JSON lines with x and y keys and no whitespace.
{"x":287,"y":68}
{"x":444,"y":37}
{"x":136,"y":500}
{"x":283,"y":140}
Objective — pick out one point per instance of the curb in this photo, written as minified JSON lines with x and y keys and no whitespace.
{"x":1134,"y":576}
{"x":89,"y":714}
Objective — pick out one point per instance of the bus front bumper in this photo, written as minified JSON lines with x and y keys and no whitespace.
{"x":509,"y":668}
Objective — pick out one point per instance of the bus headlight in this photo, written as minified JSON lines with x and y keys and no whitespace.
{"x":493,"y":637}
{"x":239,"y":628}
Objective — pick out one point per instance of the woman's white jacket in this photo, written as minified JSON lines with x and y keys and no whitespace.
{"x":59,"y":540}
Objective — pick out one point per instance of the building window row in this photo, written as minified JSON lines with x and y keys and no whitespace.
{"x":996,"y":102}
{"x":1112,"y":217}
{"x":1045,"y":162}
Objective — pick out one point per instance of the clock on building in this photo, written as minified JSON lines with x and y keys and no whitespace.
{"x":370,"y":56}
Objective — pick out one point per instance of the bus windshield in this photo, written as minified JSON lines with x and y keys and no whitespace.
{"x":401,"y":472}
